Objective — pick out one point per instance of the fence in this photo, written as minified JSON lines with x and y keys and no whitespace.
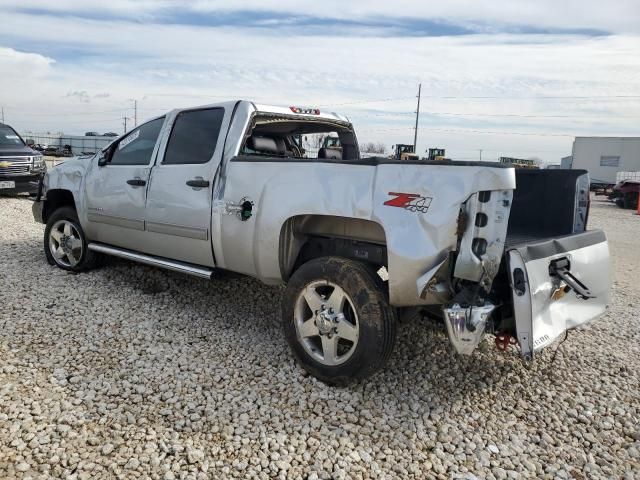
{"x":79,"y":144}
{"x":620,"y":176}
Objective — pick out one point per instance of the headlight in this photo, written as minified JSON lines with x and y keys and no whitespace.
{"x":37,"y":162}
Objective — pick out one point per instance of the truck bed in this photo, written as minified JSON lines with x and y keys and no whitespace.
{"x":517,"y":240}
{"x":544,"y":205}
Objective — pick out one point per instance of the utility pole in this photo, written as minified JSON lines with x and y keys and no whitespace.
{"x":2,"y":114}
{"x":415,"y":135}
{"x":135,"y":113}
{"x":480,"y":150}
{"x":125,"y":124}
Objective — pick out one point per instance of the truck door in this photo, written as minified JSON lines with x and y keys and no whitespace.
{"x":116,"y":191}
{"x":178,"y":210}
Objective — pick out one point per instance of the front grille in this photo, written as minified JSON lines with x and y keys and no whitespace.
{"x":17,"y":166}
{"x":14,"y":170}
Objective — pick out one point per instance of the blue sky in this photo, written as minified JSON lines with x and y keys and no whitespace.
{"x":511,"y":78}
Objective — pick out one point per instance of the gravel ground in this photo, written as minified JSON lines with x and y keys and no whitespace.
{"x":130,"y":371}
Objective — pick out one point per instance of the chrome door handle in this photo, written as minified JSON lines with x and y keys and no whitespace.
{"x":137,"y":182}
{"x":198,"y":182}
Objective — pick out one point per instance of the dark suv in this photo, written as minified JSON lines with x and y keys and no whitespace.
{"x":20,"y":166}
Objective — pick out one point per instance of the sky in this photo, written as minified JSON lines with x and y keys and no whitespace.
{"x":508,"y":77}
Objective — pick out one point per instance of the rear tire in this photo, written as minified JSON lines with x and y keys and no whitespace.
{"x":65,"y":244}
{"x":631,"y":200}
{"x":337,"y":319}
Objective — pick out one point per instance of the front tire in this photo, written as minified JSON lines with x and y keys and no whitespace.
{"x":337,"y":320}
{"x":65,"y":244}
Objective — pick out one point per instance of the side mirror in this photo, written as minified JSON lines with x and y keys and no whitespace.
{"x":102,"y":159}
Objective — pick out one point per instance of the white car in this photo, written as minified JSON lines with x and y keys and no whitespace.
{"x":358,"y":241}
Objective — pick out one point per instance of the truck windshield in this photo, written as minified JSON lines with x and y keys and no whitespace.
{"x":8,"y":136}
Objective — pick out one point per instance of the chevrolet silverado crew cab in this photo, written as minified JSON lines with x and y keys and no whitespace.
{"x":20,"y":166}
{"x":359,"y":242}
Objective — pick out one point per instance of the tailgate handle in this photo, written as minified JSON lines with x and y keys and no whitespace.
{"x":519,"y":282}
{"x":561,"y":267}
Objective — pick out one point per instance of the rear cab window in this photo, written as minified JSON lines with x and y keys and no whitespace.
{"x":271,"y":135}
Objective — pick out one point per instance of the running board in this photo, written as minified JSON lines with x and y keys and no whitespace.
{"x":187,"y":268}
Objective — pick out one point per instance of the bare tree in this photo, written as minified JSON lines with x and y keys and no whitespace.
{"x":370,"y":147}
{"x":317,"y":140}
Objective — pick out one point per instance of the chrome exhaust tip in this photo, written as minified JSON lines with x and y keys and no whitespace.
{"x":466,"y":325}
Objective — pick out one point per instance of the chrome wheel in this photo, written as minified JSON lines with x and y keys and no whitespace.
{"x":65,"y":243}
{"x":326,"y":323}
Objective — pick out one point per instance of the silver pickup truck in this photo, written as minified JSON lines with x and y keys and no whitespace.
{"x":359,"y":242}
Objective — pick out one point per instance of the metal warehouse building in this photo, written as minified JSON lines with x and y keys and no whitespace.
{"x":604,"y":157}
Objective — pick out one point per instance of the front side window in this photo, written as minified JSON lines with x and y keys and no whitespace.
{"x":194,"y":137}
{"x":136,"y":148}
{"x":8,"y":136}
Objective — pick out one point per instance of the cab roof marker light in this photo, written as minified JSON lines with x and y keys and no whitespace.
{"x":305,"y":111}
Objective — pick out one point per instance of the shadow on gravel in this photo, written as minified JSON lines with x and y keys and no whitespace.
{"x":128,"y":326}
{"x":18,"y":196}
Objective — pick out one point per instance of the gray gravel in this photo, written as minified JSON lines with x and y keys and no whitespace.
{"x":129,"y":372}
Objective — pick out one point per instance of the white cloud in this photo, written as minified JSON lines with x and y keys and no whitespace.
{"x":614,"y":15}
{"x":164,"y":66}
{"x":18,"y":65}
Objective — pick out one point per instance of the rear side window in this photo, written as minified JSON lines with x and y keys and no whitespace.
{"x":194,"y":136}
{"x":137,"y":147}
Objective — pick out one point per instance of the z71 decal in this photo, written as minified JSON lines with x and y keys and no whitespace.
{"x":409,"y":201}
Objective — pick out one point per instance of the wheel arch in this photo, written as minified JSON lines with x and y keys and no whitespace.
{"x":56,"y":198}
{"x":305,"y":237}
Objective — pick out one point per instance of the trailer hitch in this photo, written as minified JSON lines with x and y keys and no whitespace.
{"x":561,"y":268}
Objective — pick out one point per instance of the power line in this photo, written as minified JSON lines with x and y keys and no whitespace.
{"x":491,"y":97}
{"x":373,"y":100}
{"x":489,"y":132}
{"x":67,"y":114}
{"x":532,"y":97}
{"x":518,"y":115}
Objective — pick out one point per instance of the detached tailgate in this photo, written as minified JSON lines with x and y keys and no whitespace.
{"x":556,"y":285}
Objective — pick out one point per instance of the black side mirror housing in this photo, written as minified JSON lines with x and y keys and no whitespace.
{"x":102,"y":159}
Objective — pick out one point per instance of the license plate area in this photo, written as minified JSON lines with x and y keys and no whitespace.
{"x":557,"y":285}
{"x":7,"y":184}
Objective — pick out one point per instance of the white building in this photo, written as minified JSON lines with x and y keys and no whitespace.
{"x":604,"y":157}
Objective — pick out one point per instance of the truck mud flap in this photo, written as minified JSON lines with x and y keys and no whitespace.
{"x":557,"y":285}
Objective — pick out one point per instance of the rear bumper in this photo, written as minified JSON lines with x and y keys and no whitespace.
{"x":23,"y":183}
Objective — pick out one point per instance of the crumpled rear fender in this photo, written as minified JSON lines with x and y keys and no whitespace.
{"x":418,"y":207}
